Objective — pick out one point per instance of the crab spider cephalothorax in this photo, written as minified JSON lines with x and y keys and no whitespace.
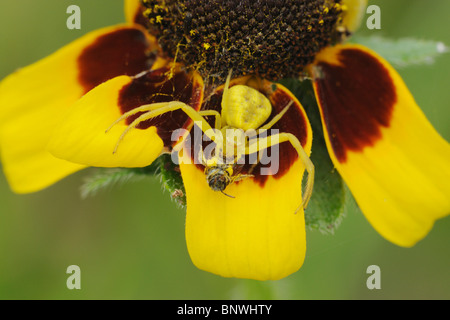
{"x":242,"y":109}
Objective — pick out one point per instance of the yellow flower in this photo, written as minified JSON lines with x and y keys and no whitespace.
{"x":71,"y":110}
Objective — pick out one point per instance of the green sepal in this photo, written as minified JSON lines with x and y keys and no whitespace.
{"x":163,"y":167}
{"x":171,"y":180}
{"x":104,"y":178}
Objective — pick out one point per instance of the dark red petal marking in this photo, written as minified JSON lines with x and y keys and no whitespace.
{"x":155,"y":86}
{"x":139,"y":16}
{"x":292,"y":122}
{"x":357,"y":100}
{"x":121,"y":52}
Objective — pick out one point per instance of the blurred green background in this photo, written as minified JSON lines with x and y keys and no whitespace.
{"x":129,"y":241}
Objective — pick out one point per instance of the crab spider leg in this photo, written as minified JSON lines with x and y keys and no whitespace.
{"x":225,"y":90}
{"x":218,"y":117}
{"x":202,"y":156}
{"x":276,"y":118}
{"x":284,"y":137}
{"x":143,"y":108}
{"x":159,"y":110}
{"x":272,"y":122}
{"x":217,"y":124}
{"x":267,"y":127}
{"x":250,"y":171}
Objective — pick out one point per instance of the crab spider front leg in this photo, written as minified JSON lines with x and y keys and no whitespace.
{"x":215,"y":114}
{"x":267,"y":142}
{"x":156,"y":109}
{"x":143,"y":108}
{"x":276,"y":118}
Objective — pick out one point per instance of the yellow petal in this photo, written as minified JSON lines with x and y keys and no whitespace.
{"x":394,"y":162}
{"x":133,"y":11}
{"x":353,"y":14}
{"x":134,"y":15}
{"x":256,"y":235}
{"x":81,"y":136}
{"x":34,"y":99}
{"x":87,"y":135}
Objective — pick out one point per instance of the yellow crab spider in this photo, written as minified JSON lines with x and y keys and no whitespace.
{"x":243,"y":108}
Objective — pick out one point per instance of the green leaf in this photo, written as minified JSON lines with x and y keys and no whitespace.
{"x":163,"y":167}
{"x":106,"y":178}
{"x":404,"y":52}
{"x":326,"y":207}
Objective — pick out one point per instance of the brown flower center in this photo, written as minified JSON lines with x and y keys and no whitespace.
{"x":273,"y":39}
